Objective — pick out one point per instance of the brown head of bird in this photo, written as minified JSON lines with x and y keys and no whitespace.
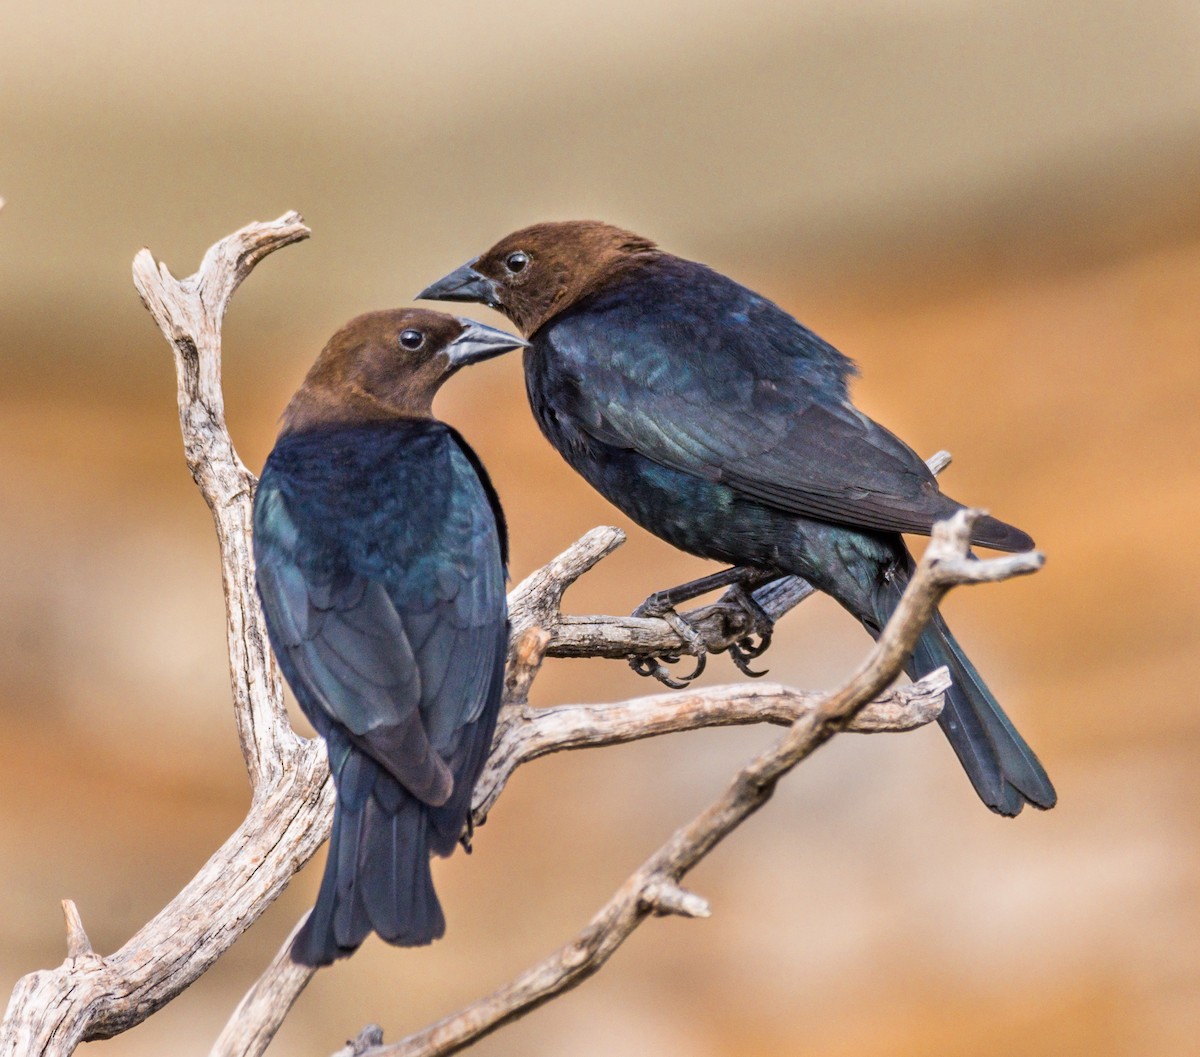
{"x":389,"y":365}
{"x":534,"y":274}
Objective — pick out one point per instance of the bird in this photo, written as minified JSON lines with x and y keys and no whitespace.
{"x":720,"y":423}
{"x":381,"y":550}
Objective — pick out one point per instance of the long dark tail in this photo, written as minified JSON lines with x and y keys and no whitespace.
{"x":1002,"y":767}
{"x":377,"y":875}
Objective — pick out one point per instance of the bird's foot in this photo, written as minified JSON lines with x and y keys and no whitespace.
{"x":761,"y":627}
{"x":656,"y":667}
{"x":751,"y":643}
{"x":660,"y":605}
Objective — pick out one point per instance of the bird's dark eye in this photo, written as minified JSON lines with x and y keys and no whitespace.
{"x":412,"y":339}
{"x":515,"y":262}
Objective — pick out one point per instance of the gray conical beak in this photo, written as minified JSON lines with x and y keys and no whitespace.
{"x":463,"y":284}
{"x":477,"y":343}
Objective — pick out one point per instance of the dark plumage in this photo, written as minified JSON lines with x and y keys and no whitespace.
{"x":381,"y":552}
{"x":718,"y":422}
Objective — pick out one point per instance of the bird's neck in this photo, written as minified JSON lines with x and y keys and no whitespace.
{"x":319,"y":407}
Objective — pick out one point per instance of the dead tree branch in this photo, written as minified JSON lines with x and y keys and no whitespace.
{"x":655,"y":888}
{"x":529,"y":733}
{"x":91,"y":996}
{"x":537,"y":601}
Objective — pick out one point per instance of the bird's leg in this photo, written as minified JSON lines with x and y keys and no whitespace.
{"x":663,"y":604}
{"x":746,"y":649}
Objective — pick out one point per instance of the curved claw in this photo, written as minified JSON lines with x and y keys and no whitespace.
{"x":653,"y":667}
{"x":701,"y":664}
{"x":645,"y":666}
{"x":742,"y":659}
{"x":751,"y":649}
{"x":746,"y":649}
{"x":659,"y":605}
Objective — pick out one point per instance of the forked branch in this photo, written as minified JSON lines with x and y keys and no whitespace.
{"x":655,"y":888}
{"x":91,"y":996}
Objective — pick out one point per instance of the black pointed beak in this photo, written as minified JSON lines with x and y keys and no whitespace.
{"x":463,"y":284}
{"x":477,"y":343}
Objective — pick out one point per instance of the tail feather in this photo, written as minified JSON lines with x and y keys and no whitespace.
{"x":1001,"y":536}
{"x":377,"y":874}
{"x":396,"y":883}
{"x":1001,"y":766}
{"x":314,"y":943}
{"x":350,"y":921}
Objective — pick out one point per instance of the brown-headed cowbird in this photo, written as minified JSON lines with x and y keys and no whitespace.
{"x":721,"y":424}
{"x":380,"y":547}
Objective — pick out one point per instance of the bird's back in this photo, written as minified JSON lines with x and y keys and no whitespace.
{"x":666,"y":321}
{"x":697,"y":375}
{"x":402,"y":509}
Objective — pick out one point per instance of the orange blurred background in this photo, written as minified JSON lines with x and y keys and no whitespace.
{"x":992,"y":207}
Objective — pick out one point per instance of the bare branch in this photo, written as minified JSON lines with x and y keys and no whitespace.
{"x":91,"y":997}
{"x":536,"y":600}
{"x":719,"y":625}
{"x":942,"y":566}
{"x":261,"y":1013}
{"x":189,"y":313}
{"x":525,"y":733}
{"x":528,"y":733}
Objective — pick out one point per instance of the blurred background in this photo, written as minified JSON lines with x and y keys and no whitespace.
{"x":992,"y":207}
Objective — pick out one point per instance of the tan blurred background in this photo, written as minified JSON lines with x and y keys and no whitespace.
{"x":992,"y":207}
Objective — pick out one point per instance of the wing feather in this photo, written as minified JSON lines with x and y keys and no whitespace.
{"x":744,"y":395}
{"x":384,"y":610}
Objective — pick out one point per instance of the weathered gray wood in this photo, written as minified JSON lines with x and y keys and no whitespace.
{"x":655,"y":886}
{"x":91,"y":996}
